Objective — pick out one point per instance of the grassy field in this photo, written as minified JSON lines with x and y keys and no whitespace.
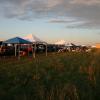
{"x":65,"y":76}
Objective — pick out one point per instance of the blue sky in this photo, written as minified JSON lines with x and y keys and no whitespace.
{"x":72,"y":20}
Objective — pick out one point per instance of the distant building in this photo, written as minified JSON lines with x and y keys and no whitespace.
{"x":98,"y":45}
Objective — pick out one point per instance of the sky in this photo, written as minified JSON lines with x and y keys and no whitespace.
{"x":75,"y":21}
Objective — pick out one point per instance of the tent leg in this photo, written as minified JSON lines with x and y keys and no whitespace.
{"x":28,"y":49}
{"x":46,"y":49}
{"x":34,"y":50}
{"x":15,"y":50}
{"x":19,"y":52}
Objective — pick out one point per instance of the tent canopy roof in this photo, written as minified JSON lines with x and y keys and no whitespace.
{"x":33,"y":39}
{"x":17,"y":40}
{"x":61,"y":42}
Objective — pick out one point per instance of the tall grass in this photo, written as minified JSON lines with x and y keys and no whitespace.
{"x":65,"y":76}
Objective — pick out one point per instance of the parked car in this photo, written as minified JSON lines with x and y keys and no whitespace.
{"x":7,"y":50}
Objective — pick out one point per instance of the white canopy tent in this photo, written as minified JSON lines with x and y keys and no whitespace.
{"x":61,"y":42}
{"x":69,"y":45}
{"x":35,"y":40}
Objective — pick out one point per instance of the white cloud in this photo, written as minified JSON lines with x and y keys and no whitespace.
{"x":62,"y":20}
{"x":86,"y":2}
{"x":87,"y":11}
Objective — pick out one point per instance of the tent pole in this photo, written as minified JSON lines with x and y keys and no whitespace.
{"x":32,"y":49}
{"x":28,"y":49}
{"x":19,"y":52}
{"x":35,"y":50}
{"x":46,"y":49}
{"x":15,"y":50}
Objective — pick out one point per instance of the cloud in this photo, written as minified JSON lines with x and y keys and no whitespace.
{"x":59,"y":21}
{"x":85,"y":2}
{"x":85,"y":11}
{"x":29,"y":9}
{"x":62,"y":20}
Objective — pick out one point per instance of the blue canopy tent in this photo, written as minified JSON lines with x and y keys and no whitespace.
{"x":16,"y":41}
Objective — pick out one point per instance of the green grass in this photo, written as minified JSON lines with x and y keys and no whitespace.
{"x":65,"y":76}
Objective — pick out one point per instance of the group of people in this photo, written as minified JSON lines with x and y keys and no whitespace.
{"x":74,"y":49}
